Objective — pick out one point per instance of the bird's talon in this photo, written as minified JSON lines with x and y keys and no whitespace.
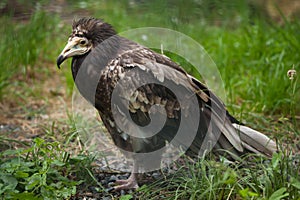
{"x":126,"y":184}
{"x":121,"y":182}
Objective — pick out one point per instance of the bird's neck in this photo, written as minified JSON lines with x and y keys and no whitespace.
{"x":87,"y":69}
{"x":76,"y":63}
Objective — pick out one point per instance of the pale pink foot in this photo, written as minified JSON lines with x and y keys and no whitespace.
{"x":130,"y":183}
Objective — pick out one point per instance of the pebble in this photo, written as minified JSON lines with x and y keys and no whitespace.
{"x":122,"y":177}
{"x":106,"y":198}
{"x":122,"y":192}
{"x":156,"y":175}
{"x":4,"y":127}
{"x":110,"y":184}
{"x":113,"y":178}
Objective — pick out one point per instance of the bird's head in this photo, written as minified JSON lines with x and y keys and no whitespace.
{"x":86,"y":34}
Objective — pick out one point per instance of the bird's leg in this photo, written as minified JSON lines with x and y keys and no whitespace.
{"x":130,"y":183}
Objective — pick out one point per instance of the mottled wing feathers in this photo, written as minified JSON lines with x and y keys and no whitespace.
{"x":146,"y":78}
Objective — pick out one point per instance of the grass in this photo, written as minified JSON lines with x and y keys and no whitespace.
{"x":253,"y":56}
{"x":207,"y":179}
{"x":42,"y":171}
{"x":21,"y":49}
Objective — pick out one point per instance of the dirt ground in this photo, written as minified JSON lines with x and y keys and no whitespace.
{"x":25,"y":115}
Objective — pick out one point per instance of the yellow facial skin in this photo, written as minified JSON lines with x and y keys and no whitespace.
{"x":76,"y":46}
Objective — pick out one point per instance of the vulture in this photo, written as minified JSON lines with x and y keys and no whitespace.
{"x":147,"y":102}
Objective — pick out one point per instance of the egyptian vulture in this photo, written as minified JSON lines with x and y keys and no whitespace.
{"x":136,"y":90}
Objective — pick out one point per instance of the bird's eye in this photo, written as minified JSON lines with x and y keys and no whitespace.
{"x":82,"y":42}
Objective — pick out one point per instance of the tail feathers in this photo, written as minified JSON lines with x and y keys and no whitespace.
{"x":255,"y":141}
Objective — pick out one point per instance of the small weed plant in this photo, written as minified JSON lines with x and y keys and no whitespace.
{"x":43,"y":171}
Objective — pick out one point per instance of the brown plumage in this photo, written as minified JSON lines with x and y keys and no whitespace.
{"x":102,"y":60}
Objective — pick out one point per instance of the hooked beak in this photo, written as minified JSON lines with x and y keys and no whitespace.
{"x":72,"y":48}
{"x":60,"y":60}
{"x":66,"y":52}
